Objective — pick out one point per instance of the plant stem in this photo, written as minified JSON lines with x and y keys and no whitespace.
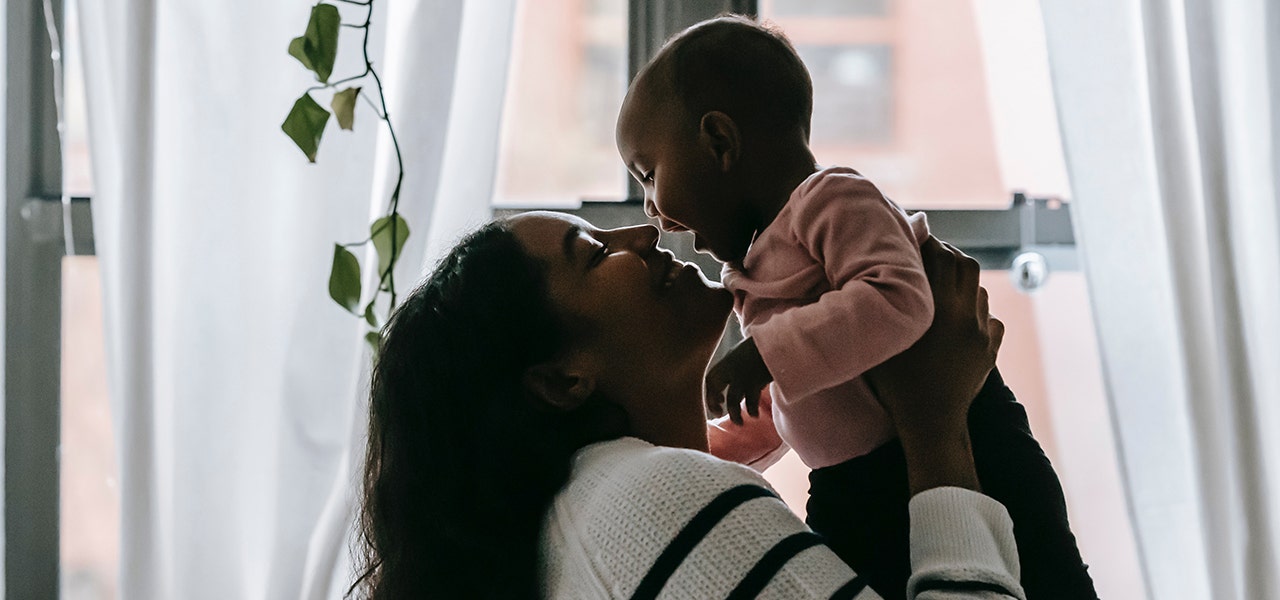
{"x":337,"y":83}
{"x":393,"y":213}
{"x":372,"y":106}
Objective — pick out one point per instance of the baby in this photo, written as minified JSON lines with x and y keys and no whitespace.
{"x":828,"y":282}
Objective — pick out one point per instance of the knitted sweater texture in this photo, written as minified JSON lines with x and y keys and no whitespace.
{"x":610,"y":532}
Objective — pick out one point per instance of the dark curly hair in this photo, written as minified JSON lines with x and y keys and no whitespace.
{"x":462,"y":462}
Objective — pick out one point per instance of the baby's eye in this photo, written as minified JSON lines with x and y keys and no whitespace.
{"x":647,"y":178}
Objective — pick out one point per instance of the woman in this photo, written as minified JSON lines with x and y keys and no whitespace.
{"x":536,"y":429}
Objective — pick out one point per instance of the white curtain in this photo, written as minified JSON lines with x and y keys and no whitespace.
{"x":236,"y":384}
{"x":1170,"y":113}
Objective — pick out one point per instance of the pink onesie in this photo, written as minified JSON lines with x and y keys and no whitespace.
{"x":831,"y":288}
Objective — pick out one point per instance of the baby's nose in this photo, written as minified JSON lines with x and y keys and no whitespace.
{"x":650,"y":209}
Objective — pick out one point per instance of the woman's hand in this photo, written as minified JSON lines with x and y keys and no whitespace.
{"x":927,"y":389}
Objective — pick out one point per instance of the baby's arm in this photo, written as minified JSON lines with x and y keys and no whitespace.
{"x":754,"y":442}
{"x":738,"y":378}
{"x":880,"y":301}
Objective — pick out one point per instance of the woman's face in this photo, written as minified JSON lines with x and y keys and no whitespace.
{"x":642,"y":324}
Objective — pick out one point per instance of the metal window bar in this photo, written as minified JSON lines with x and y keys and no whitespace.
{"x":33,"y":251}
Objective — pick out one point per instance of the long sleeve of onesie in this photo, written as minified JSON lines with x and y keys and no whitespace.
{"x":877,"y":300}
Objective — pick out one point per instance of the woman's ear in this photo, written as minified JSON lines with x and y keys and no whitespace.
{"x":719,"y":135}
{"x":558,"y":388}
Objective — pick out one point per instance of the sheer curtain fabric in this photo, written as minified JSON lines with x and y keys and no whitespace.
{"x":236,"y":384}
{"x":1171,"y":122}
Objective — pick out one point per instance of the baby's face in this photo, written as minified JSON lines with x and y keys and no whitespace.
{"x":686,"y":186}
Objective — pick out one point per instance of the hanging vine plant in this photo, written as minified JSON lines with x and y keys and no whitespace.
{"x":317,"y":50}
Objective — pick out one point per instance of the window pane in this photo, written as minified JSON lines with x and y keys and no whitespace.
{"x":79,"y":174}
{"x":854,"y":104}
{"x":568,"y":76}
{"x":941,"y":104}
{"x":90,"y":504}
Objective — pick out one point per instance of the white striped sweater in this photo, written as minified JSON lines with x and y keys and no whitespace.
{"x":640,"y":521}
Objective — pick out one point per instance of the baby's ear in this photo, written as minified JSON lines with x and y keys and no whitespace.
{"x":558,"y":388}
{"x":719,"y":135}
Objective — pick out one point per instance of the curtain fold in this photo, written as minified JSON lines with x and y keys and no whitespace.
{"x":233,"y":377}
{"x":1168,"y":122}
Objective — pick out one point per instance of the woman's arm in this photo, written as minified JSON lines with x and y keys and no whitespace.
{"x":962,"y":548}
{"x":928,"y":388}
{"x":927,"y":391}
{"x":679,"y":523}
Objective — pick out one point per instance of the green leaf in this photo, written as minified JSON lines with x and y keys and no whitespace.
{"x":318,"y":47}
{"x":375,"y":342}
{"x":305,"y":124}
{"x":382,"y":232}
{"x":344,"y":279}
{"x":298,"y":51}
{"x":344,"y":107}
{"x":370,"y":316}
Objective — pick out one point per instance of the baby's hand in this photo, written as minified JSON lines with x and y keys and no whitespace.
{"x":748,"y":444}
{"x":739,"y":376}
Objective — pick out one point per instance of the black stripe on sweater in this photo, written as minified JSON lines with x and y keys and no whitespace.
{"x":850,"y":590}
{"x":693,"y":532}
{"x":960,"y":586}
{"x":773,"y":561}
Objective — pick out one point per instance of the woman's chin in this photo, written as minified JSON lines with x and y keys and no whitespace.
{"x":719,"y":305}
{"x":723,"y":298}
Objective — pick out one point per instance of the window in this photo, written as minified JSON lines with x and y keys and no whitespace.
{"x":947,"y":106}
{"x":77,"y":163}
{"x":940,"y":104}
{"x":567,"y":77}
{"x":90,"y":504}
{"x":854,"y":104}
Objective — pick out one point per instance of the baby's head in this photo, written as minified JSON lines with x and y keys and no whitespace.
{"x":707,"y":121}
